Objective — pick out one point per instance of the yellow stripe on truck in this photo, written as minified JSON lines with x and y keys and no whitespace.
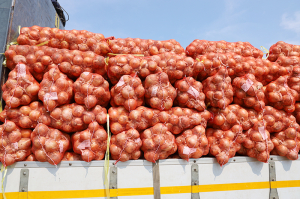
{"x":149,"y":190}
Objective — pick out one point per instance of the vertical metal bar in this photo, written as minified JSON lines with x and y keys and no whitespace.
{"x":113,"y":179}
{"x":156,"y":179}
{"x":272,"y":174}
{"x":24,"y":176}
{"x":195,"y":180}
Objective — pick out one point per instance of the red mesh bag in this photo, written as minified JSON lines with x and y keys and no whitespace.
{"x":91,"y":143}
{"x":288,"y":62}
{"x":283,"y":49}
{"x":20,"y":88}
{"x":126,"y":146}
{"x":192,"y":143}
{"x":31,"y":157}
{"x":71,"y":156}
{"x":128,"y":92}
{"x":15,"y":143}
{"x":225,"y":119}
{"x":27,"y":116}
{"x":287,"y":142}
{"x":258,"y":143}
{"x":68,"y":39}
{"x":190,"y":94}
{"x":148,"y":47}
{"x":74,"y":117}
{"x":48,"y":144}
{"x":218,"y":89}
{"x":160,"y":94}
{"x":41,"y":59}
{"x":248,"y":92}
{"x":158,"y":143}
{"x":280,"y":96}
{"x":201,"y":47}
{"x":91,"y":89}
{"x":294,"y":79}
{"x":297,"y":112}
{"x":224,"y":144}
{"x":56,"y":89}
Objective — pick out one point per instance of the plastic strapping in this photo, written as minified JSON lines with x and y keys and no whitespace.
{"x":106,"y":162}
{"x":3,"y":171}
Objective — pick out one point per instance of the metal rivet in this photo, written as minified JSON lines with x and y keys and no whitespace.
{"x":273,"y":179}
{"x":195,"y":183}
{"x":194,"y":161}
{"x":271,"y":158}
{"x":25,"y":165}
{"x":24,"y":173}
{"x":233,"y":160}
{"x":23,"y":189}
{"x":274,"y":197}
{"x":113,"y":172}
{"x":113,"y":187}
{"x":70,"y":164}
{"x":195,"y":169}
{"x":272,"y":166}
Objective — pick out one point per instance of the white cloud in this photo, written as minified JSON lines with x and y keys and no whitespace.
{"x":291,"y":22}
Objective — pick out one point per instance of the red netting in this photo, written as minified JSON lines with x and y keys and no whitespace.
{"x":297,"y":112}
{"x":294,"y":79}
{"x":283,"y":49}
{"x":49,"y":144}
{"x":126,"y":146}
{"x":20,"y":88}
{"x":192,"y":143}
{"x":91,"y":143}
{"x":158,"y":143}
{"x":71,"y":156}
{"x":15,"y":143}
{"x":190,"y":94}
{"x":91,"y":89}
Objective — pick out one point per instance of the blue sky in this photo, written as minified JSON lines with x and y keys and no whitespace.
{"x":262,"y":23}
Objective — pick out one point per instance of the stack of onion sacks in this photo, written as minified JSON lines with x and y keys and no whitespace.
{"x":192,"y":143}
{"x":68,"y":39}
{"x":190,"y":94}
{"x":91,"y":89}
{"x":280,"y":96}
{"x":27,"y":116}
{"x":20,"y":88}
{"x":15,"y":143}
{"x":160,"y":94}
{"x":288,"y":62}
{"x":224,"y":144}
{"x":49,"y":144}
{"x":158,"y":143}
{"x":294,"y":79}
{"x":287,"y":142}
{"x":56,"y":89}
{"x":91,"y":143}
{"x":248,"y":92}
{"x":258,"y":143}
{"x":283,"y":49}
{"x":128,"y":92}
{"x":126,"y":145}
{"x":218,"y":89}
{"x":74,"y":117}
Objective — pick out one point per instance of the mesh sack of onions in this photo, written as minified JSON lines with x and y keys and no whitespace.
{"x":128,"y":92}
{"x":27,"y":116}
{"x":91,"y":89}
{"x":201,"y":47}
{"x":147,"y":47}
{"x":248,"y":92}
{"x":68,"y":39}
{"x":287,"y":142}
{"x":297,"y":112}
{"x":224,"y":144}
{"x":41,"y":59}
{"x":49,"y":144}
{"x":294,"y":79}
{"x":192,"y":143}
{"x":15,"y":143}
{"x":126,"y":146}
{"x":56,"y":89}
{"x":225,"y":119}
{"x":158,"y":143}
{"x":258,"y":143}
{"x":71,"y":156}
{"x":280,"y":96}
{"x":21,"y":88}
{"x":160,"y":94}
{"x":190,"y":94}
{"x":31,"y":157}
{"x":283,"y":49}
{"x":74,"y":117}
{"x":91,"y":143}
{"x":218,"y":89}
{"x":288,"y":62}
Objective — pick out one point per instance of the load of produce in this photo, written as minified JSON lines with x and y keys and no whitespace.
{"x":71,"y":156}
{"x":158,"y":143}
{"x":297,"y":112}
{"x":20,"y":88}
{"x":192,"y":143}
{"x":126,"y":146}
{"x":91,"y":89}
{"x":294,"y":79}
{"x":15,"y":143}
{"x":190,"y":94}
{"x":283,"y":49}
{"x":128,"y":92}
{"x":91,"y":143}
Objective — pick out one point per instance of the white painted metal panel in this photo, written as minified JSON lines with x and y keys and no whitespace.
{"x":240,"y":194}
{"x":12,"y":180}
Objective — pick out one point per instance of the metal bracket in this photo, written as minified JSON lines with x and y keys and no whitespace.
{"x":113,"y":179}
{"x":24,"y":176}
{"x":272,"y":174}
{"x":156,"y":179}
{"x":195,"y":180}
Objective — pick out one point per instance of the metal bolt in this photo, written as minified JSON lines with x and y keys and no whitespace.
{"x":274,"y":197}
{"x":233,"y":160}
{"x":195,"y":183}
{"x":113,"y":187}
{"x":271,"y":158}
{"x":24,"y":173}
{"x":273,"y":179}
{"x":113,"y":172}
{"x":194,"y":161}
{"x":195,"y":169}
{"x":70,"y":164}
{"x":272,"y":166}
{"x":25,"y":165}
{"x":23,"y":189}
